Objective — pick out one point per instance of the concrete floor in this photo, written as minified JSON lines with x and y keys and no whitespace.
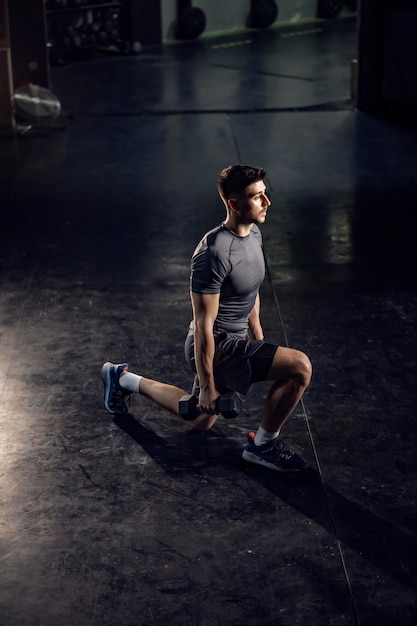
{"x":135,"y":521}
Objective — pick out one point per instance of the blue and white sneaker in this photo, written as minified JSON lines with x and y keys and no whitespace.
{"x":114,"y":394}
{"x":275,"y":454}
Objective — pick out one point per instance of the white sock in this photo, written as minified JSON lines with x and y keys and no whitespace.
{"x":263,"y":436}
{"x":130,"y":382}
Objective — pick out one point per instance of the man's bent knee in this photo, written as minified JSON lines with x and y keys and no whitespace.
{"x":305,"y":369}
{"x":289,"y":363}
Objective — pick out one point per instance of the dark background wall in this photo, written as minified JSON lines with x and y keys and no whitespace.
{"x":5,"y":68}
{"x":387,"y":55}
{"x":28,"y":42}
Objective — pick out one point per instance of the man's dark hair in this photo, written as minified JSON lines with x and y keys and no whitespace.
{"x":234,"y":179}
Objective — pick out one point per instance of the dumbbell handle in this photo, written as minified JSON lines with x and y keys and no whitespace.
{"x":229,"y":405}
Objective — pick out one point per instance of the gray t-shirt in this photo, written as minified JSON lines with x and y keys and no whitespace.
{"x":234,"y":267}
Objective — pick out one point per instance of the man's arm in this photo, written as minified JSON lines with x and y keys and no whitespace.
{"x":255,"y":329}
{"x":205,"y":309}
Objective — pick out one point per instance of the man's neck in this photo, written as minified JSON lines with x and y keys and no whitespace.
{"x":241,"y":230}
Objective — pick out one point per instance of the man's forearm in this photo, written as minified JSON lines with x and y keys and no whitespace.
{"x":204,"y":349}
{"x":255,"y":331}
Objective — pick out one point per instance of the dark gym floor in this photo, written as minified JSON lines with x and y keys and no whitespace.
{"x":135,"y":521}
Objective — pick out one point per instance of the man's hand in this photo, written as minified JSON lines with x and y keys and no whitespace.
{"x":207,"y":401}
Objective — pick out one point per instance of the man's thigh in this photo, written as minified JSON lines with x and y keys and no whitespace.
{"x":240,"y":362}
{"x":261,"y":361}
{"x":288,"y":363}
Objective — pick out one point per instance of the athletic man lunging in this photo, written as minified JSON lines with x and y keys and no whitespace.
{"x":225,"y":344}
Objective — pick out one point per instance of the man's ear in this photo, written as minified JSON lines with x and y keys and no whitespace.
{"x":233,"y":204}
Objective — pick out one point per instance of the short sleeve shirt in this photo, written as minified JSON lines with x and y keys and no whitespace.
{"x":234,"y":267}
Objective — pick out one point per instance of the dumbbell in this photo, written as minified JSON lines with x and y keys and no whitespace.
{"x":229,"y":405}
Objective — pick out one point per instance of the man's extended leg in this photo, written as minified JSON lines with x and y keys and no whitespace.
{"x":119,"y":383}
{"x":291,"y":372}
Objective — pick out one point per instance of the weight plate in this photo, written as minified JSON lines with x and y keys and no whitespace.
{"x":264,"y":13}
{"x":191,"y":23}
{"x":329,"y":8}
{"x":32,"y":101}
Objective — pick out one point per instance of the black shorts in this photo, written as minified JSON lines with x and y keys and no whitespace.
{"x":237,"y":362}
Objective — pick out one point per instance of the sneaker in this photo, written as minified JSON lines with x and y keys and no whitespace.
{"x":275,"y":454}
{"x":114,"y":394}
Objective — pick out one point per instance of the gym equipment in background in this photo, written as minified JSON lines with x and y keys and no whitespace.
{"x":36,"y":107}
{"x":329,"y":8}
{"x":352,"y":5}
{"x":263,"y":13}
{"x":77,"y":29}
{"x":191,"y":21}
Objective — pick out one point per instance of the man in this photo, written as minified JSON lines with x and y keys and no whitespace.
{"x":225,"y":344}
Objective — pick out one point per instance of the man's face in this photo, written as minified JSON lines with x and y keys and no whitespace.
{"x":253,"y":204}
